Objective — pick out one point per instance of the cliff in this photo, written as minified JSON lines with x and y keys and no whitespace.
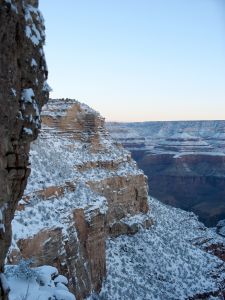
{"x":23,"y":91}
{"x":86,"y":211}
{"x":83,"y":189}
{"x":184,"y":162}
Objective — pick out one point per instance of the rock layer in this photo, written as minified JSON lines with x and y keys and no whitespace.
{"x":23,"y":91}
{"x":184,"y":162}
{"x":83,"y":188}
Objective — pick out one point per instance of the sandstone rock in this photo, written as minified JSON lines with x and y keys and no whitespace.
{"x":84,"y":189}
{"x":23,"y":91}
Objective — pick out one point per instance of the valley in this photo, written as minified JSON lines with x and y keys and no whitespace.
{"x":184,"y":162}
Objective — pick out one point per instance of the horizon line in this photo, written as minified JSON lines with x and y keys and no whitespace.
{"x":184,"y":120}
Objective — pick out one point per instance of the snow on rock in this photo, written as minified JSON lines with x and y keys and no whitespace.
{"x":162,"y":262}
{"x":27,"y":95}
{"x":34,"y":30}
{"x":220,"y":227}
{"x":36,"y":283}
{"x":81,"y":184}
{"x":33,"y":63}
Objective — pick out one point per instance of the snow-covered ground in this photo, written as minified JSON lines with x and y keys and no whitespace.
{"x":162,"y":262}
{"x":56,"y":159}
{"x":42,"y":283}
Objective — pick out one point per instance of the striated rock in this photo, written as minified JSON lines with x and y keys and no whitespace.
{"x":23,"y":91}
{"x":126,"y":195}
{"x":74,"y":120}
{"x":184,"y":162}
{"x":83,"y":189}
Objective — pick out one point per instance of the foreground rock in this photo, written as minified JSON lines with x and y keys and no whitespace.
{"x":184,"y":161}
{"x":23,"y":91}
{"x":83,"y":188}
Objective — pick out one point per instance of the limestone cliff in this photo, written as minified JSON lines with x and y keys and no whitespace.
{"x":23,"y":91}
{"x":83,"y":188}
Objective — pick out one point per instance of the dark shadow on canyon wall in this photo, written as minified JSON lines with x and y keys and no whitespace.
{"x":190,"y":182}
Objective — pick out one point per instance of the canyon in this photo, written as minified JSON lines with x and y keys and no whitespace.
{"x":76,"y":218}
{"x":184,"y":162}
{"x":87,"y":213}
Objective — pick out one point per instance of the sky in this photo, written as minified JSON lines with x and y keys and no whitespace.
{"x":138,"y":60}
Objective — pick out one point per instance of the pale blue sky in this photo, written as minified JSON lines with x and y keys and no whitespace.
{"x":138,"y":60}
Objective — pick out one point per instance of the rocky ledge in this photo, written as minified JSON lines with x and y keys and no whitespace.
{"x":82,"y":189}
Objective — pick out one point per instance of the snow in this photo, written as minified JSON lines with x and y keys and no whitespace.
{"x":28,"y":131}
{"x":33,"y":63}
{"x":46,"y":87}
{"x":162,"y":263}
{"x":2,"y":227}
{"x":40,"y":284}
{"x":61,"y":279}
{"x":34,"y":38}
{"x":56,"y":212}
{"x":33,"y":16}
{"x":14,"y":92}
{"x":27,"y":95}
{"x":172,"y":137}
{"x":136,"y":219}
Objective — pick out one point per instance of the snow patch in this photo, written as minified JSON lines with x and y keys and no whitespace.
{"x":33,"y":63}
{"x":36,"y":283}
{"x":27,"y":95}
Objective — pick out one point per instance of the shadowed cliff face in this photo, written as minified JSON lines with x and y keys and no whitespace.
{"x":23,"y":91}
{"x":184,"y":162}
{"x":191,"y":182}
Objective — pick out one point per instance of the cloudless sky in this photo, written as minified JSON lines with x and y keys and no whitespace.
{"x":138,"y":60}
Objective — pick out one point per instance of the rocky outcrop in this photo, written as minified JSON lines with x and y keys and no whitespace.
{"x":184,"y":162}
{"x":23,"y":91}
{"x":83,"y":189}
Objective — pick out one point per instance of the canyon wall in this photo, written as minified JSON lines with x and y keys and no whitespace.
{"x":184,"y":162}
{"x":23,"y":91}
{"x":83,"y":188}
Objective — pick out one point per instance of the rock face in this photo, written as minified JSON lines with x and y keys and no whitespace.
{"x":83,"y":189}
{"x":184,"y":162}
{"x":23,"y":91}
